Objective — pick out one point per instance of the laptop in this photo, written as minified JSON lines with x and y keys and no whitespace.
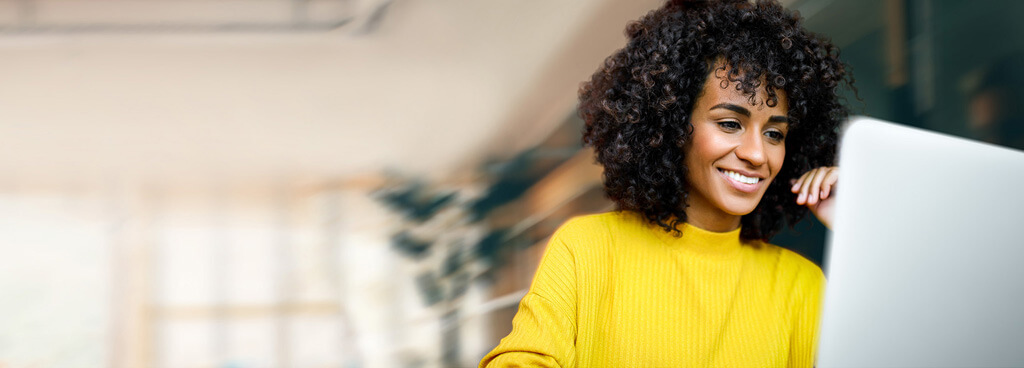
{"x":926,"y":258}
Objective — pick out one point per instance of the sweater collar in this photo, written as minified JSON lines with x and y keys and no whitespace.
{"x":702,"y":241}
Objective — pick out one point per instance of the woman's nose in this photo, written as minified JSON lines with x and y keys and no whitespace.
{"x":751,"y":149}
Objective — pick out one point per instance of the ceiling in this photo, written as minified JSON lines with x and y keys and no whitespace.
{"x":432,"y":88}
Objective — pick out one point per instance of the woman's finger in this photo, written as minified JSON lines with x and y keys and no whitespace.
{"x":805,"y":187}
{"x":815,"y":190}
{"x":796,"y":183}
{"x":830,"y":181}
{"x":802,"y":189}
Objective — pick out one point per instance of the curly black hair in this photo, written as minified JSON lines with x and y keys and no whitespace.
{"x":637,"y":105}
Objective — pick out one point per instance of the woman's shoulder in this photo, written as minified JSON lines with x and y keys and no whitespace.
{"x":600,"y":225}
{"x":792,"y":263}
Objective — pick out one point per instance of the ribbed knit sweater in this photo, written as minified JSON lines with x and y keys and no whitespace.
{"x":615,"y":291}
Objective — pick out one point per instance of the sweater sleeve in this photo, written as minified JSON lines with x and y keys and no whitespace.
{"x":806,"y":319}
{"x":544,"y":329}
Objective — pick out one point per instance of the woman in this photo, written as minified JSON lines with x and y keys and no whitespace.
{"x":715,"y":124}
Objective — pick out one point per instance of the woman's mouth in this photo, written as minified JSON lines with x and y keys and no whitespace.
{"x":740,"y":182}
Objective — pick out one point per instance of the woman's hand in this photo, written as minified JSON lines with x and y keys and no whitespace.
{"x":815,"y":190}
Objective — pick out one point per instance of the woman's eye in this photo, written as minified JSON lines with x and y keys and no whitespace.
{"x":775,"y":136}
{"x":729,"y":125}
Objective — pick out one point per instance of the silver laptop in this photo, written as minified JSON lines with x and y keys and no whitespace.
{"x":926,"y":258}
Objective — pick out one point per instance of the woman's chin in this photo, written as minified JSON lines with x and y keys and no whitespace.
{"x":739,"y":209}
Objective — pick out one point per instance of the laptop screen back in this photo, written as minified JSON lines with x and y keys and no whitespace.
{"x":926,"y":257}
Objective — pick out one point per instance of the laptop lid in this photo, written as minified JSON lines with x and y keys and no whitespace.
{"x":926,"y":258}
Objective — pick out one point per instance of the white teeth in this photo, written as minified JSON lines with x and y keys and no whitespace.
{"x":740,"y":178}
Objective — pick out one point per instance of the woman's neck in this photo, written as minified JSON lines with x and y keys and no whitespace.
{"x":715,"y":221}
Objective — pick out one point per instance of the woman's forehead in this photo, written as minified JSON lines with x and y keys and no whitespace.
{"x":719,"y":85}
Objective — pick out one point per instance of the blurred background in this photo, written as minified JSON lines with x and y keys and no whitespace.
{"x":355,"y":183}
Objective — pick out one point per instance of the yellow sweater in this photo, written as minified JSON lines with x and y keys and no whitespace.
{"x":613,"y":291}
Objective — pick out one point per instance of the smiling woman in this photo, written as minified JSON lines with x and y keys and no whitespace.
{"x":734,"y":154}
{"x":715,"y":125}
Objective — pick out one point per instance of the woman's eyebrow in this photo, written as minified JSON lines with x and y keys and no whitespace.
{"x":736,"y":108}
{"x":742,"y":110}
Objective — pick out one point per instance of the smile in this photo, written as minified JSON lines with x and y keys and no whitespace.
{"x":740,"y":182}
{"x":739,"y":177}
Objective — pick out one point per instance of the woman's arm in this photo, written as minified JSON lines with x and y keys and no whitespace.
{"x":806,"y":319}
{"x":815,"y":189}
{"x":544,"y":329}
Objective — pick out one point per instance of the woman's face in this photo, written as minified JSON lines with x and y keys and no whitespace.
{"x":736,"y":149}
